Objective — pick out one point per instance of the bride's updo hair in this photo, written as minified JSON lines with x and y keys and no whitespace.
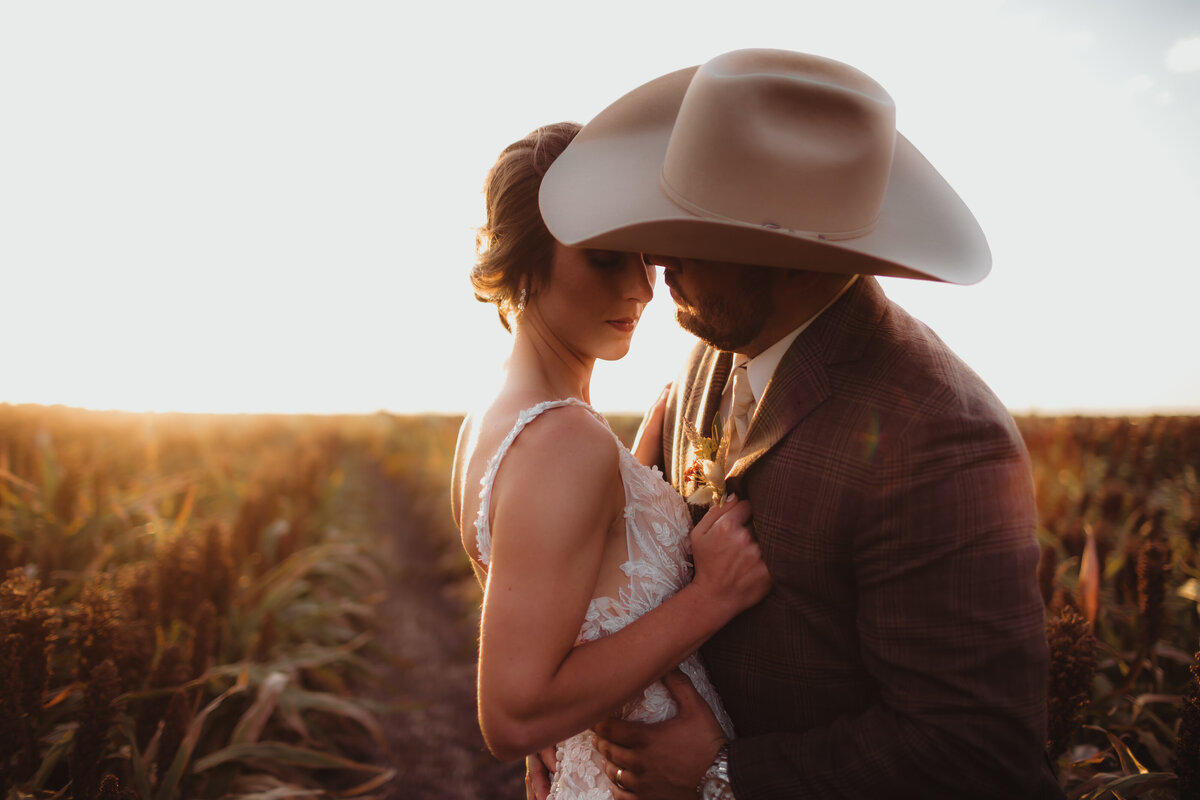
{"x":513,"y":248}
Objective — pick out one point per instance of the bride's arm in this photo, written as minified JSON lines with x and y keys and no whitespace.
{"x":558,"y":491}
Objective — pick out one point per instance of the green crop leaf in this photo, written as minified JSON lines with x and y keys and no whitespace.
{"x":1129,"y":762}
{"x":250,"y":726}
{"x":280,"y":754}
{"x":1129,"y":786}
{"x":331,"y":704}
{"x":169,"y":783}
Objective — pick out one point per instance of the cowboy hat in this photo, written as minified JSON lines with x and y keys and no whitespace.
{"x":763,"y":157}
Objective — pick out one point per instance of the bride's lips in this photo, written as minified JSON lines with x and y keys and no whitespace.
{"x":625,"y":324}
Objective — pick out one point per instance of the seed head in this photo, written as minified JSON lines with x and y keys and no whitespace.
{"x":1152,"y":565}
{"x":1187,"y":745}
{"x":1072,"y":667}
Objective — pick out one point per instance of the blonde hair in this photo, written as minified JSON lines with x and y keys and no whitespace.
{"x":513,"y":249}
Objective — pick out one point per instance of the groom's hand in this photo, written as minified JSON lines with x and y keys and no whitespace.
{"x":662,"y":760}
{"x":539,"y":768}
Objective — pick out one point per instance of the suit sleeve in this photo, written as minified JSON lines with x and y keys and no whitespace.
{"x":950,"y":627}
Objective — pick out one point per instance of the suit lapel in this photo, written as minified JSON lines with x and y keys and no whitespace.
{"x":714,"y":387}
{"x":801,"y":381}
{"x":699,"y":402}
{"x":799,"y":385}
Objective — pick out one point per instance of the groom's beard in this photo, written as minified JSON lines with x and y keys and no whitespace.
{"x":731,"y":320}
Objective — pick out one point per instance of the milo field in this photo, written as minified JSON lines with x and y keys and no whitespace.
{"x":278,"y":606}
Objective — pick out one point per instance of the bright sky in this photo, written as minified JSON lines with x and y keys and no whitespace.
{"x":269,"y":206}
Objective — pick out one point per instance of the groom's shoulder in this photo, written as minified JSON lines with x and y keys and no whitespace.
{"x":908,"y":367}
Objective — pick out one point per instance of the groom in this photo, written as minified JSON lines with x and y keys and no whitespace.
{"x":900,"y":652}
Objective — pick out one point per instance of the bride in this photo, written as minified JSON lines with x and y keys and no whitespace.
{"x":584,"y":553}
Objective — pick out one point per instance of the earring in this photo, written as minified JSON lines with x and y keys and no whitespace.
{"x":524,"y":297}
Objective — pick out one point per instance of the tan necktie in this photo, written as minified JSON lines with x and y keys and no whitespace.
{"x":741,"y":408}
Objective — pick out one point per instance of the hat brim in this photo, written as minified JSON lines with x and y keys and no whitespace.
{"x":603,"y":192}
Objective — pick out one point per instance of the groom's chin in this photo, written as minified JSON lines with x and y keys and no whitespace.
{"x":691,"y":323}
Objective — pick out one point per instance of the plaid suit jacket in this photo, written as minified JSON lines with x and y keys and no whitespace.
{"x":901,"y":651}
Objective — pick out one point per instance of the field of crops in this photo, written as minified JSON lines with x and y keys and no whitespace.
{"x":262,"y":607}
{"x":1120,"y":573}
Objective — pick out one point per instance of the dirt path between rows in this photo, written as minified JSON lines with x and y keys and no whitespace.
{"x":431,"y":625}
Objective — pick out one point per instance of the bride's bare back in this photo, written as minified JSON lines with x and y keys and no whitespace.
{"x":479,"y":440}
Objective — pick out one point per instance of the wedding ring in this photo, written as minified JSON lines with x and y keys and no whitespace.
{"x":618,"y":782}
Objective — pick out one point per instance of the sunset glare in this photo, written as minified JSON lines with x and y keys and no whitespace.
{"x":270,"y":207}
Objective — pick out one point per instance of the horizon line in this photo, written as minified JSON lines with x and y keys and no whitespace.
{"x":1032,"y":411}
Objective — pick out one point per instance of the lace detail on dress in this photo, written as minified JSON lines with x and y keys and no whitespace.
{"x":657,"y":523}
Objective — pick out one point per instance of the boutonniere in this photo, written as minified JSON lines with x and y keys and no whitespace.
{"x":704,"y":480}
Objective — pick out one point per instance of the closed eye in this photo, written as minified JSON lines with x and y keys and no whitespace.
{"x":605,"y":259}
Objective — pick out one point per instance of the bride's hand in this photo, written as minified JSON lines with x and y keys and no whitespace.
{"x":729,"y":565}
{"x":647,"y":445}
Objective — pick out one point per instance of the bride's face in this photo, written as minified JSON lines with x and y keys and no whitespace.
{"x":594,"y":299}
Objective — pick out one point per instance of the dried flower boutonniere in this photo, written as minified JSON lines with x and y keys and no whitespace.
{"x":704,"y":480}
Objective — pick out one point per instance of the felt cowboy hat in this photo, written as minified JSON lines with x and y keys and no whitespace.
{"x":763,"y":157}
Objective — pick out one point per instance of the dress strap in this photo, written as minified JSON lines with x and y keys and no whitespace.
{"x":483,"y":535}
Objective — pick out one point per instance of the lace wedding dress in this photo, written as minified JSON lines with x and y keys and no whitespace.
{"x":657,"y":523}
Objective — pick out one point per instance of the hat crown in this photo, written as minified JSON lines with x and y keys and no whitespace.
{"x":782,"y":139}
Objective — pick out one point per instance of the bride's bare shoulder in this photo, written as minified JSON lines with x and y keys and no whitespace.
{"x":568,"y":431}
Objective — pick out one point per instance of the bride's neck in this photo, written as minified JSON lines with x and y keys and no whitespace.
{"x":543,"y":364}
